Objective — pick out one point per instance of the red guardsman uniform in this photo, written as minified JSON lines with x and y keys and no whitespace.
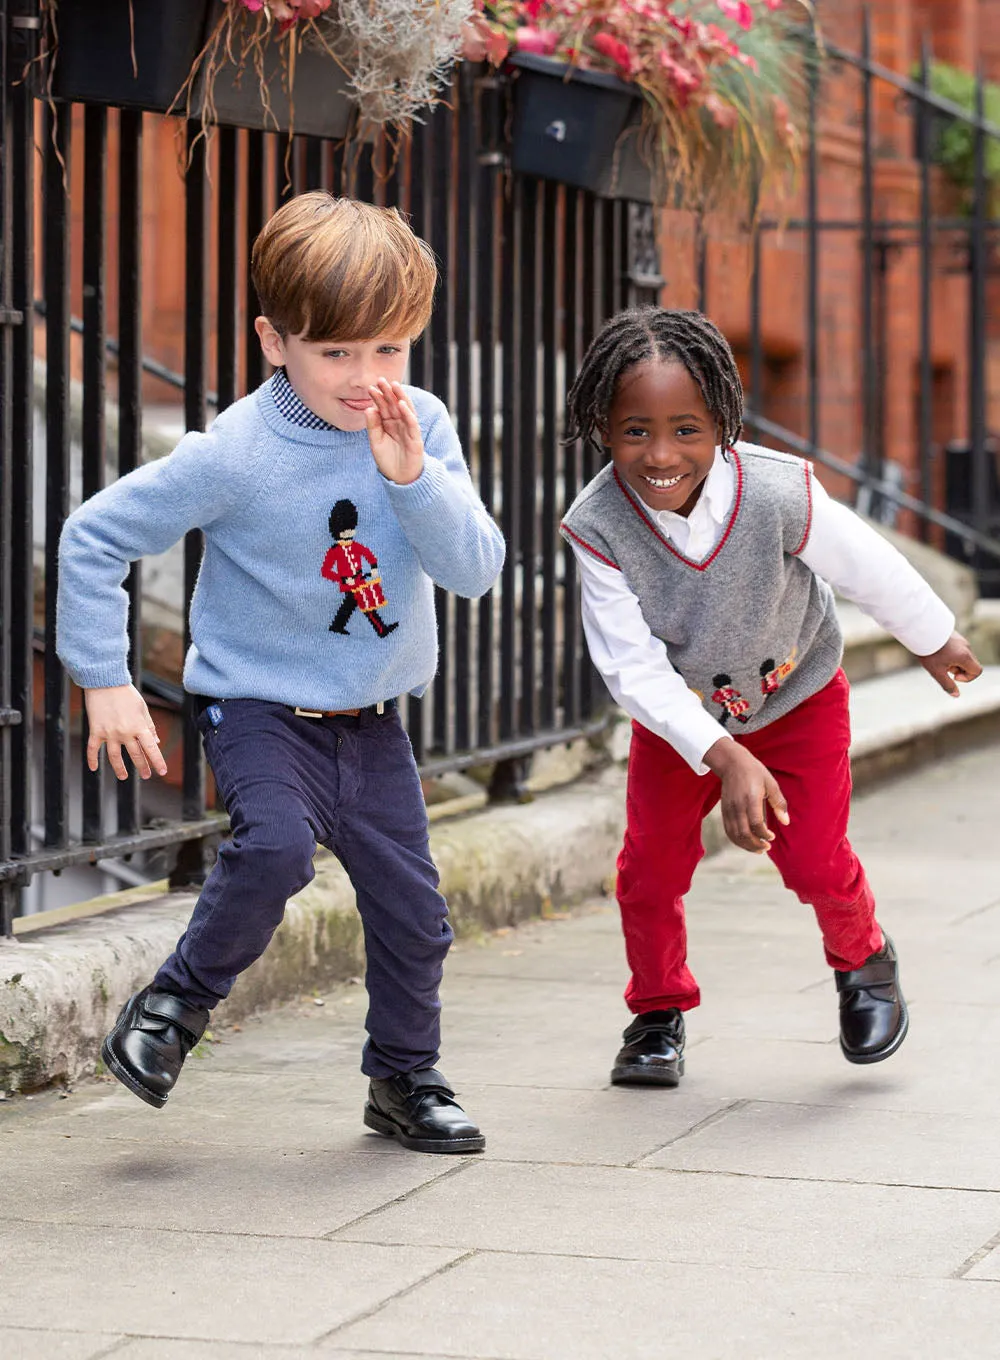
{"x":733,"y":703}
{"x":344,"y":564}
{"x":772,"y":677}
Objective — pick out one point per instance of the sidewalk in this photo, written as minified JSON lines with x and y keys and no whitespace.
{"x":779,"y":1204}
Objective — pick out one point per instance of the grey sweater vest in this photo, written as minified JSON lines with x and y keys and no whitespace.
{"x":750,"y":629}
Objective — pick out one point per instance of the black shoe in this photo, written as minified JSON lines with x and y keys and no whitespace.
{"x":654,"y":1051}
{"x":420,"y":1111}
{"x":152,"y":1036}
{"x":873,"y":1014}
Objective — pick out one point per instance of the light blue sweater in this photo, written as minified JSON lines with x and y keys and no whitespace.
{"x":262,"y":488}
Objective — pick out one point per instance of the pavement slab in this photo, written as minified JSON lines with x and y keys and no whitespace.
{"x":62,"y":1179}
{"x":651,"y":1215}
{"x":517,"y":1307}
{"x":152,"y":1349}
{"x":32,"y":1343}
{"x":220,"y":1287}
{"x":779,"y":1204}
{"x":844,"y":1143}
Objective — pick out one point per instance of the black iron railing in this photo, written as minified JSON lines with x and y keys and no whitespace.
{"x":529,"y":270}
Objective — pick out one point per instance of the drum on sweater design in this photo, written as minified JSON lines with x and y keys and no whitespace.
{"x":353,"y":567}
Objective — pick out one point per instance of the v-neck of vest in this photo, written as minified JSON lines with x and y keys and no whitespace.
{"x":688,"y":561}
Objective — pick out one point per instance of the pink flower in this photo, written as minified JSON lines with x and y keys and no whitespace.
{"x":723,"y":114}
{"x":685,"y":81}
{"x":482,"y":42}
{"x":614,"y":49}
{"x":773,"y":4}
{"x":534,"y":40}
{"x":288,"y":12}
{"x":737,"y":10}
{"x":685,"y":27}
{"x":721,"y":38}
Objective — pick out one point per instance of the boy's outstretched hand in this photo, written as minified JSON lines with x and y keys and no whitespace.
{"x":747,"y":789}
{"x":954,"y":661}
{"x":394,"y":433}
{"x":118,"y":717}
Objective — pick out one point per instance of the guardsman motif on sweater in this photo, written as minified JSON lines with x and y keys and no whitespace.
{"x":732,"y":701}
{"x":772,"y":677}
{"x":344,"y":564}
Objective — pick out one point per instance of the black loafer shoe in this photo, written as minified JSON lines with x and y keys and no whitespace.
{"x":873,"y":1014}
{"x":654,"y":1051}
{"x":150,"y":1040}
{"x":420,"y":1111}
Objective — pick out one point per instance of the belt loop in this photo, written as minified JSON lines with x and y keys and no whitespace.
{"x":380,"y":707}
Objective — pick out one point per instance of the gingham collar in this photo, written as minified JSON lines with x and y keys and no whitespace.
{"x":291,"y":405}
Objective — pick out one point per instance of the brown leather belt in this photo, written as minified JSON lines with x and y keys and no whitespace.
{"x":329,"y":712}
{"x":378,"y":708}
{"x":202,"y":702}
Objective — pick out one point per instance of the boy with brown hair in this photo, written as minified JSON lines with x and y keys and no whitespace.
{"x":298,"y":717}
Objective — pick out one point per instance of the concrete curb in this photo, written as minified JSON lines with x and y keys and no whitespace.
{"x":61,"y":988}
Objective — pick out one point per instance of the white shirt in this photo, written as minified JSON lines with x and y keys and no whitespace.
{"x":845,"y":551}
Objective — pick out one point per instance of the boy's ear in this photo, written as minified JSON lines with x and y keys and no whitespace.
{"x":270,"y":342}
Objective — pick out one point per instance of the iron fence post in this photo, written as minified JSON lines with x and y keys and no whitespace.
{"x":981,"y":481}
{"x":192,"y":859}
{"x":926,"y":413}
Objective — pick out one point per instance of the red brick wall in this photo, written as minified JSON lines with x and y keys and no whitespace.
{"x":958,"y":32}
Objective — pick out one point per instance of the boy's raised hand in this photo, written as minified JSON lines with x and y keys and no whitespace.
{"x":118,"y":717}
{"x":394,"y":433}
{"x":747,"y":789}
{"x":954,"y":661}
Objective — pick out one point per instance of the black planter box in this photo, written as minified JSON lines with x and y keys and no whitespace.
{"x":93,"y":56}
{"x":580,"y":128}
{"x":320,"y":104}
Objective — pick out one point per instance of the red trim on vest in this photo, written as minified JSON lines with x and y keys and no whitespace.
{"x":593,"y":551}
{"x":809,"y":511}
{"x":698,"y":566}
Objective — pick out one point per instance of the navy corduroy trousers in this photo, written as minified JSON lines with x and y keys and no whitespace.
{"x":351,"y":784}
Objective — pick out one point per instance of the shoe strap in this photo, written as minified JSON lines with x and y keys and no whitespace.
{"x":427,"y":1082}
{"x":193,"y":1020}
{"x":881,"y":973}
{"x":672,"y":1028}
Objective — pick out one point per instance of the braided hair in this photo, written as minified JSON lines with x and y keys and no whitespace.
{"x":646,"y":333}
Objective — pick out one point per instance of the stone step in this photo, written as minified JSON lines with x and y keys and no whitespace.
{"x":868,"y":649}
{"x":903,"y":720}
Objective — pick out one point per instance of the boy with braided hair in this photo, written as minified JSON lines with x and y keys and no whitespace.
{"x":706,"y":568}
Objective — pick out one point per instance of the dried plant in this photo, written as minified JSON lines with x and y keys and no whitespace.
{"x":399,"y":53}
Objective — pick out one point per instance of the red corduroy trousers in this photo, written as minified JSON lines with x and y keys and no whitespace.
{"x":807,"y":752}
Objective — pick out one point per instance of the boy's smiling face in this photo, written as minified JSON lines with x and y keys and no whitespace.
{"x":661,"y":434}
{"x":333,"y":377}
